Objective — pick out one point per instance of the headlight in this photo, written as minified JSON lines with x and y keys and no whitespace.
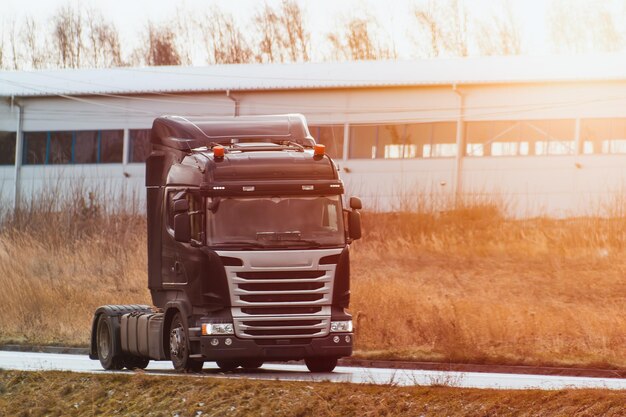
{"x":341,"y":326}
{"x":217,"y":328}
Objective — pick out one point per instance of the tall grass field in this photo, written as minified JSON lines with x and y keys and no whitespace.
{"x":460,"y":285}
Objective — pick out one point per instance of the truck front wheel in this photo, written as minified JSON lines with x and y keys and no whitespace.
{"x":179,"y":348}
{"x":105,"y":344}
{"x":321,"y":364}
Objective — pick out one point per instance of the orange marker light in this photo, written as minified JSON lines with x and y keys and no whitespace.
{"x":319,"y":150}
{"x":218,"y":151}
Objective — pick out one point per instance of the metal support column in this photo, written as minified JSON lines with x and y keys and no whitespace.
{"x":460,"y":147}
{"x":346,"y":140}
{"x":19,"y":146}
{"x":578,"y":145}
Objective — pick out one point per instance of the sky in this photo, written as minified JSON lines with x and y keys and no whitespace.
{"x":323,"y":15}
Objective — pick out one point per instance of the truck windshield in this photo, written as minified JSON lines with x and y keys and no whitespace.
{"x":283,"y":222}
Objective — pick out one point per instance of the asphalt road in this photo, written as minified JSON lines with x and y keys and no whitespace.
{"x":32,"y":361}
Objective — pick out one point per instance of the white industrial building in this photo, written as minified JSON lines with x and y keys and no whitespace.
{"x":545,"y":136}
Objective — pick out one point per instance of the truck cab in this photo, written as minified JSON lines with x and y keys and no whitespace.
{"x":248,"y":250}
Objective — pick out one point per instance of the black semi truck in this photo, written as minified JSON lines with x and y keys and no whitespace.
{"x":248,"y":250}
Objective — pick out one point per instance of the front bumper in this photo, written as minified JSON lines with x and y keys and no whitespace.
{"x":288,"y":349}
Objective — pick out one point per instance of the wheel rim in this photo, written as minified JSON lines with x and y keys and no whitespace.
{"x":177,"y":343}
{"x":104,"y":343}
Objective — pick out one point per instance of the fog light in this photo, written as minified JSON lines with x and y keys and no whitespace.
{"x":215,"y":342}
{"x":341,"y":326}
{"x":228,"y":341}
{"x":336,"y":339}
{"x":348,"y":339}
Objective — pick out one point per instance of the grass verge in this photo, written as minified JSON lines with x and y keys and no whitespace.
{"x":143,"y":395}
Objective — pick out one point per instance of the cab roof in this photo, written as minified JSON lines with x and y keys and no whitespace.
{"x":187,"y":133}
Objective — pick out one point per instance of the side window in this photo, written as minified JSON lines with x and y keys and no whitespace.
{"x":196,"y":215}
{"x":195,"y":212}
{"x":331,"y":220}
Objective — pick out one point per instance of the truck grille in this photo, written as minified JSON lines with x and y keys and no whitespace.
{"x":281,"y":294}
{"x":282,"y":288}
{"x":278,"y":327}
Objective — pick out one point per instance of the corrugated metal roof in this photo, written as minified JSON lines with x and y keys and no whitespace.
{"x":363,"y":74}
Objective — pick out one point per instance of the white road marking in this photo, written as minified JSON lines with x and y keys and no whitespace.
{"x":29,"y":361}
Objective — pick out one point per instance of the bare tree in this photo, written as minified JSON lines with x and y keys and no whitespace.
{"x":15,"y":47}
{"x":271,"y":42}
{"x":68,"y":36}
{"x":297,"y":37}
{"x":36,"y":56}
{"x":161,"y":47}
{"x":104,"y":41}
{"x":357,"y":42}
{"x":428,"y":17}
{"x":501,"y":34}
{"x":445,"y":25}
{"x":576,"y":26}
{"x":185,"y":39}
{"x":282,"y":34}
{"x":224,"y":42}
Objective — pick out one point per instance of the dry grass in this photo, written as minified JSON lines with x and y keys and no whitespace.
{"x":464,"y":285}
{"x":471,"y":286}
{"x":70,"y":394}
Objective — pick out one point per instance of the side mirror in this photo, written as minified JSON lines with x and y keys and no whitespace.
{"x":354,"y":224}
{"x":355,"y":203}
{"x":180,"y":205}
{"x":182,"y":227}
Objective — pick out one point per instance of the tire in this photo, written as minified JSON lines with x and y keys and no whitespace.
{"x":135,"y":362}
{"x":251,"y":363}
{"x":321,"y":364}
{"x":105,"y":344}
{"x":227,"y":365}
{"x":179,"y":347}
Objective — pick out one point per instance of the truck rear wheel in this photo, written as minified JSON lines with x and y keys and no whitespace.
{"x":321,"y":364}
{"x":106,"y":344}
{"x":179,"y":347}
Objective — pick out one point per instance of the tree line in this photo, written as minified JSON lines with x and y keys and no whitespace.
{"x":75,"y":37}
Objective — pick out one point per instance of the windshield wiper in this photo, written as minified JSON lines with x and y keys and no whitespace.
{"x":305,"y":242}
{"x":240,"y":243}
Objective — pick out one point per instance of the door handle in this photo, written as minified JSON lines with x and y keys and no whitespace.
{"x":177,"y":268}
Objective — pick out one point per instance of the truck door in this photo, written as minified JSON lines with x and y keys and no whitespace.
{"x":173,"y":270}
{"x":181,"y":260}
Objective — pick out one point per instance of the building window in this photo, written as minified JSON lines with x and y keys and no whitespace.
{"x":403,"y":141}
{"x":363,"y":142}
{"x":331,"y":137}
{"x":77,"y":147}
{"x":59,"y":148}
{"x":554,"y":148}
{"x":439,"y":150}
{"x":35,"y":147}
{"x":111,"y":146}
{"x":519,"y":137}
{"x":433,"y":140}
{"x":86,"y":147}
{"x":475,"y":149}
{"x":139,"y":145}
{"x":603,"y":135}
{"x":7,"y":148}
{"x":400,"y":151}
{"x":509,"y":148}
